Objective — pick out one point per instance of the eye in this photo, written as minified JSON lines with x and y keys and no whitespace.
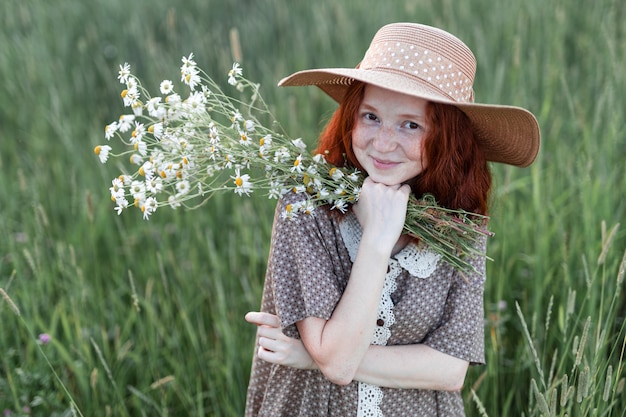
{"x":370,"y":116}
{"x":411,"y":125}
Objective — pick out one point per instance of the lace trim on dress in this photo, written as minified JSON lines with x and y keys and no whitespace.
{"x":419,"y":262}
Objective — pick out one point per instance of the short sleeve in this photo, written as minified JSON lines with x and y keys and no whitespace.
{"x":461,"y":331}
{"x":304,"y":265}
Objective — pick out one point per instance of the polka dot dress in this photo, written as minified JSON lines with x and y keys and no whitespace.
{"x":308,"y":269}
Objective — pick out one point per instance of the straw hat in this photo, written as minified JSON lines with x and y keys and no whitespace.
{"x":430,"y":63}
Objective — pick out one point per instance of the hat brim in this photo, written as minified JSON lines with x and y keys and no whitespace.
{"x":507,"y":134}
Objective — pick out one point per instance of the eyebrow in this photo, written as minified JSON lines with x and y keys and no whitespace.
{"x":369,"y":107}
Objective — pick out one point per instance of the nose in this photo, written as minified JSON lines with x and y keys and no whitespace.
{"x":384,"y":139}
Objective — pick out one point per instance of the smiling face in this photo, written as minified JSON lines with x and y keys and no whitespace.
{"x":388,"y":134}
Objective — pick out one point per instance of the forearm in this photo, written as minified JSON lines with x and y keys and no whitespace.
{"x":339,"y":344}
{"x":411,"y":366}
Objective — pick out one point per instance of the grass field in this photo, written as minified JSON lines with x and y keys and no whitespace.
{"x":146,"y":318}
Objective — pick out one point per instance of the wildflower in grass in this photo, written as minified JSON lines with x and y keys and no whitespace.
{"x":179,"y":139}
{"x":44,"y":338}
{"x":103,"y":152}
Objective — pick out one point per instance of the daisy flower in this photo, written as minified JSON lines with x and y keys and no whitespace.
{"x":234,"y":72}
{"x":173,"y":202}
{"x":141,"y":147}
{"x":182,"y":187}
{"x":138,"y":133}
{"x":109,"y":130}
{"x":191,"y":78}
{"x":103,"y":152}
{"x":125,"y":122}
{"x":135,"y":159}
{"x":124,"y":73}
{"x":138,"y":190}
{"x":244,"y":186}
{"x":299,"y":143}
{"x":335,"y":173}
{"x":297,"y":165}
{"x":166,"y":87}
{"x":148,"y":207}
{"x":121,"y":204}
{"x":340,"y":205}
{"x":154,"y":107}
{"x":290,"y":212}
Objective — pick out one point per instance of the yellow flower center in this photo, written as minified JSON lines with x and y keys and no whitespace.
{"x":288,"y":208}
{"x":97,"y":149}
{"x":262,"y":141}
{"x":142,"y":172}
{"x":296,"y":162}
{"x":151,"y":129}
{"x":124,"y":93}
{"x":332,"y":171}
{"x":239,"y":181}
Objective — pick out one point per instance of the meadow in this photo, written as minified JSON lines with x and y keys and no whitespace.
{"x":107,"y":315}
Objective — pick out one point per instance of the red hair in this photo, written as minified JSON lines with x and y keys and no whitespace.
{"x":456,"y":172}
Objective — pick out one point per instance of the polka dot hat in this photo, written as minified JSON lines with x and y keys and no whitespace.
{"x":430,"y":63}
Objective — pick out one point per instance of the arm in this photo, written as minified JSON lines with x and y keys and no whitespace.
{"x":407,"y":366}
{"x":339,"y":344}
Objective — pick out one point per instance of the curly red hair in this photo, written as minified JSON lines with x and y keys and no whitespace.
{"x":457,"y":173}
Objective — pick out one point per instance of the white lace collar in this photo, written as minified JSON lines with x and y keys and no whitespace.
{"x":417,"y":260}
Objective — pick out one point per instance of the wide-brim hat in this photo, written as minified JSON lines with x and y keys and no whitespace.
{"x":432,"y":64}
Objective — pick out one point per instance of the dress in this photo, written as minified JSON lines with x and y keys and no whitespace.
{"x":427,"y":302}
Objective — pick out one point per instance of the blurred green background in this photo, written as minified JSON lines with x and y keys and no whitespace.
{"x":146,"y":318}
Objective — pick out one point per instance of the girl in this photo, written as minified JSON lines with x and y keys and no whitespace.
{"x":358,"y":319}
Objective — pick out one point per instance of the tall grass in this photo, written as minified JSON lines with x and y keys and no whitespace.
{"x":146,"y":318}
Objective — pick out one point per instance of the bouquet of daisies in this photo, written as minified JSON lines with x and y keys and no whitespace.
{"x":181,"y":150}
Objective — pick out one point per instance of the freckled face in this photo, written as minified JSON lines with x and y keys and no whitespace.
{"x":388,"y":135}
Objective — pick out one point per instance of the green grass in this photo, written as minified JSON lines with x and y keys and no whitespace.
{"x":146,"y":318}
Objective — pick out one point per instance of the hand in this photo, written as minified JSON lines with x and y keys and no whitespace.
{"x":275,"y":346}
{"x":381,"y":210}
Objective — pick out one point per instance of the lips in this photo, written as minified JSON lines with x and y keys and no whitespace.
{"x":383,"y":164}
